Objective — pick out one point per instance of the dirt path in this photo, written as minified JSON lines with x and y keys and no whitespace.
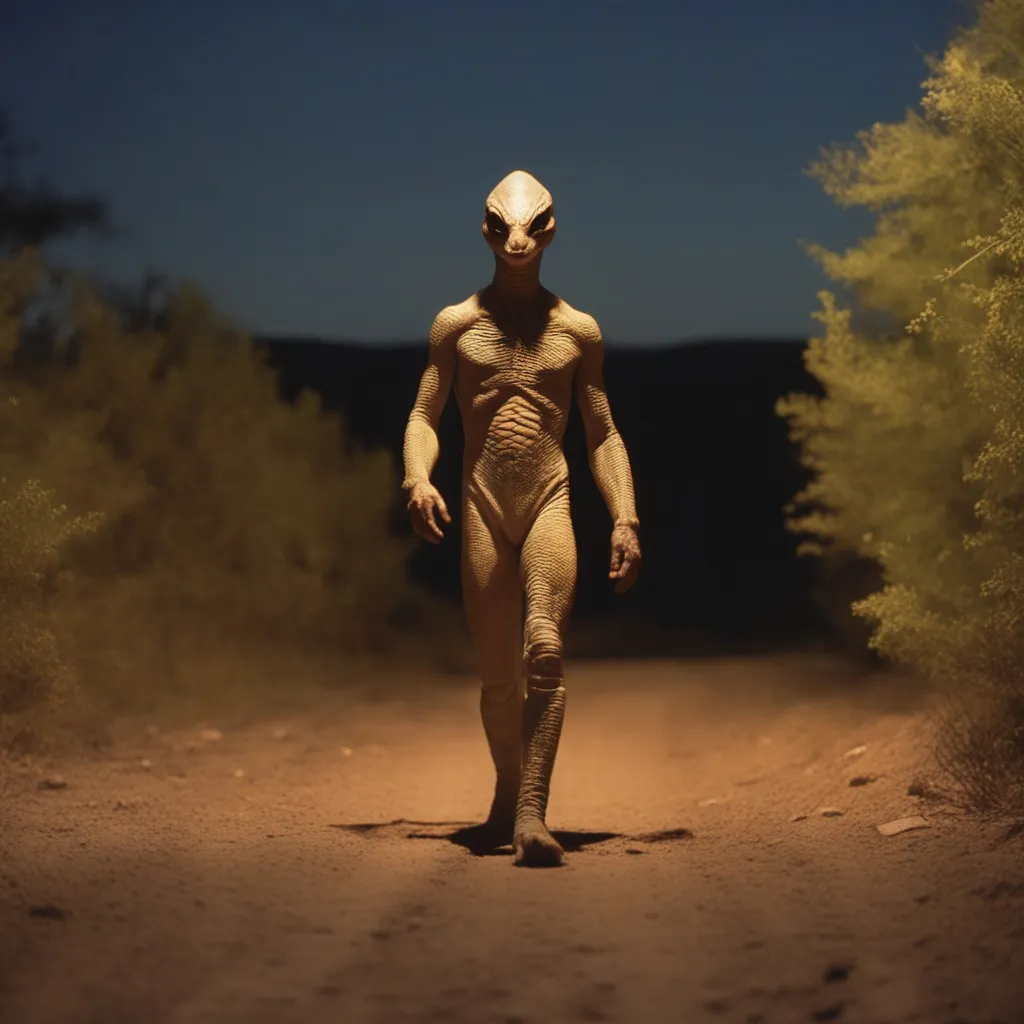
{"x":255,"y":877}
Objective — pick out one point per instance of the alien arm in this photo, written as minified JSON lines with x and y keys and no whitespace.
{"x":421,"y":447}
{"x":609,"y":461}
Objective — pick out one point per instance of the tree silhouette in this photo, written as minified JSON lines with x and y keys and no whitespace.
{"x":34,"y":215}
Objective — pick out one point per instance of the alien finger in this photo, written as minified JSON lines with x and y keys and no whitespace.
{"x":431,"y":531}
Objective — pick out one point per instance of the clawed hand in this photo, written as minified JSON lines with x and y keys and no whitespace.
{"x":425,"y":505}
{"x":625,"y":558}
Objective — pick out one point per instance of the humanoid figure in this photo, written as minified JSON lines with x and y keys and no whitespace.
{"x":516,"y":353}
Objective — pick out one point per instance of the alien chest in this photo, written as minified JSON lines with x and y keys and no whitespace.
{"x":498,"y":359}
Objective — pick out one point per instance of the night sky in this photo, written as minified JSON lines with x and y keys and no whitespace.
{"x":320,"y":167}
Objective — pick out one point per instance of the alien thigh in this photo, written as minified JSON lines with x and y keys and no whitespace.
{"x":495,"y":579}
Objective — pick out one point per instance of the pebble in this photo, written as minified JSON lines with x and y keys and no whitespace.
{"x":894,"y":828}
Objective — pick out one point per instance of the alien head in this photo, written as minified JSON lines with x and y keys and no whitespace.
{"x":520,"y":220}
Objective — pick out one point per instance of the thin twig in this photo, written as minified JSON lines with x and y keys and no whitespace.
{"x":981,"y":252}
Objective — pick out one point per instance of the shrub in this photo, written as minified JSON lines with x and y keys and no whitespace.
{"x":229,"y":517}
{"x":34,"y":531}
{"x":917,"y":447}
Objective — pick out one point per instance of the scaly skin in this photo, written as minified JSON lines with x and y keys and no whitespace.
{"x":515,"y":354}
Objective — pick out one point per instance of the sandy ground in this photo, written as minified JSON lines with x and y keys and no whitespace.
{"x":312,"y":868}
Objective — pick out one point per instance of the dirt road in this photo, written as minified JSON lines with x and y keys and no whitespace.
{"x":262,"y":874}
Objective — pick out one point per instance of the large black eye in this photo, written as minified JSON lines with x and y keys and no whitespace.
{"x":495,"y":224}
{"x":540,"y":222}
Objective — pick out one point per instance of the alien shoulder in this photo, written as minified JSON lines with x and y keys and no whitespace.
{"x":584,"y":327}
{"x":452,"y":322}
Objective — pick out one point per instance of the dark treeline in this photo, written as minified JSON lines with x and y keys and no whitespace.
{"x":713,"y":468}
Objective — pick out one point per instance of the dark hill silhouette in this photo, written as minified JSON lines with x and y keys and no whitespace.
{"x":713,"y":468}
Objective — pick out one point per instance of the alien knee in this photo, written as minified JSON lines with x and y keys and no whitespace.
{"x":495,"y":693}
{"x":543,"y":654}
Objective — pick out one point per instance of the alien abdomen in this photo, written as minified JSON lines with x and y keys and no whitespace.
{"x":519,"y":466}
{"x":514,"y":429}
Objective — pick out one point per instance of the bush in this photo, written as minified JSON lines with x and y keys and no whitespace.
{"x":229,"y":518}
{"x":917,"y":448}
{"x":34,"y":531}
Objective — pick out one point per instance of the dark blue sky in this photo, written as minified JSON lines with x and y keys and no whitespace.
{"x":320,"y":167}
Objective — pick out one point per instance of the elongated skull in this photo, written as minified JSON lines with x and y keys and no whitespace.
{"x":519,"y":220}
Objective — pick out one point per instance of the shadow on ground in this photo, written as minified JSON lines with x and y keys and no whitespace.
{"x":480,"y":841}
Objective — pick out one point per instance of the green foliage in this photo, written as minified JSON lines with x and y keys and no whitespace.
{"x":229,"y":518}
{"x":917,"y":448}
{"x":34,"y":531}
{"x":247,"y":505}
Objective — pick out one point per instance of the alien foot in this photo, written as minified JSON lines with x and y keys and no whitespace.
{"x":536,"y":847}
{"x":499,"y":829}
{"x":501,"y":820}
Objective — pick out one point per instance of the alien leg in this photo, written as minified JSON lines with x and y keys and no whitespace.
{"x":548,"y":569}
{"x":493,"y":598}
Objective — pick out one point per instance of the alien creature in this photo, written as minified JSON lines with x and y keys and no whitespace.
{"x":515,"y":352}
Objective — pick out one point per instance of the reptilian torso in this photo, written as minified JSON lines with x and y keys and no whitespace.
{"x":514,"y":384}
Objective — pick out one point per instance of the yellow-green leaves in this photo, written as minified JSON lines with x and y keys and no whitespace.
{"x":917,"y":447}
